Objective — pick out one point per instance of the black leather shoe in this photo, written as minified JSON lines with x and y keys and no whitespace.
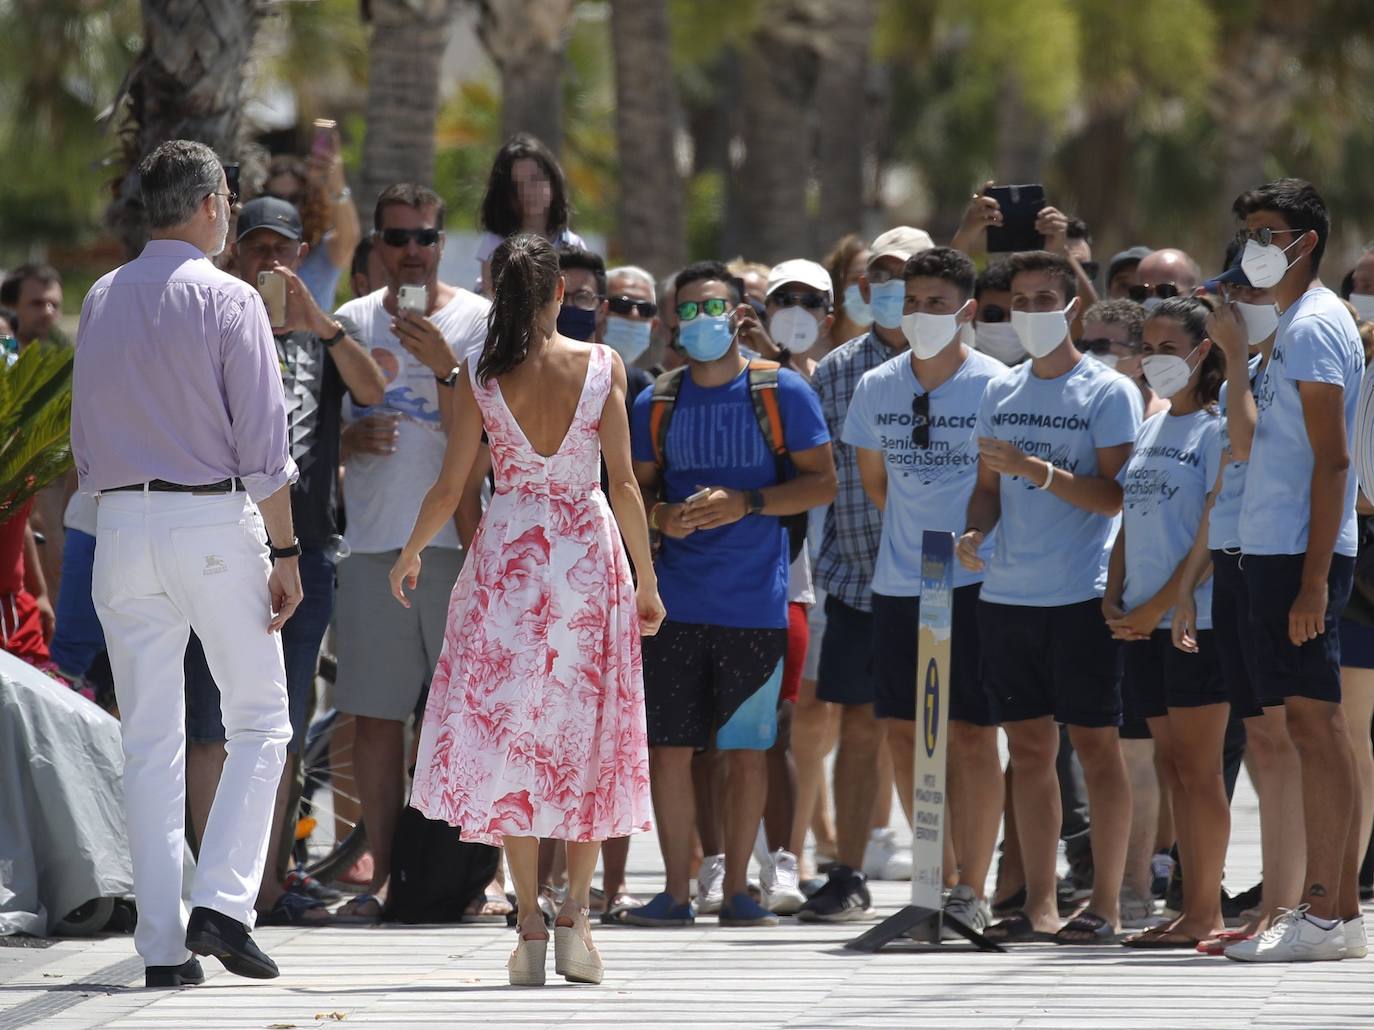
{"x":213,"y":933}
{"x":187,"y":974}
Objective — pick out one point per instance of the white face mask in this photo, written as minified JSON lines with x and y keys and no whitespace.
{"x":1040,"y":331}
{"x":1260,"y":321}
{"x":794,"y":328}
{"x":1265,"y":266}
{"x":998,"y":340}
{"x":929,"y":334}
{"x":856,"y":309}
{"x":1167,"y":374}
{"x":1364,"y":304}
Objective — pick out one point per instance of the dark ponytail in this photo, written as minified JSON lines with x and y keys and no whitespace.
{"x":524,"y":270}
{"x":1191,"y":313}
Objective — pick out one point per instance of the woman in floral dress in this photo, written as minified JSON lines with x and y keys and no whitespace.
{"x":535,"y":722}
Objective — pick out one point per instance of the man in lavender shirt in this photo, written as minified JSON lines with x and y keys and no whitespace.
{"x":179,"y":426}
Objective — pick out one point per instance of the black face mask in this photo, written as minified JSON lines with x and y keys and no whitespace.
{"x":576,"y":323}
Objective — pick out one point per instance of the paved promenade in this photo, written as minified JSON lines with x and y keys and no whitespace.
{"x":796,"y":976}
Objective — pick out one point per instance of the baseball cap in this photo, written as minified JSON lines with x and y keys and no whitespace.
{"x":799,"y":270}
{"x":902,"y":242}
{"x":269,"y":213}
{"x":1133,"y":256}
{"x":1232,"y":276}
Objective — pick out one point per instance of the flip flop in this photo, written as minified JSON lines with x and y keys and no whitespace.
{"x":620,"y":904}
{"x":1167,"y":940}
{"x":1017,"y":928}
{"x":291,"y":909}
{"x":353,"y":916}
{"x":494,"y":908}
{"x":1218,"y":944}
{"x":1099,"y":930}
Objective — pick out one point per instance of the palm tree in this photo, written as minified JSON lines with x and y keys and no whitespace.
{"x":526,"y":40}
{"x":404,"y":58}
{"x":652,"y":227}
{"x":35,"y":423}
{"x":843,"y":113}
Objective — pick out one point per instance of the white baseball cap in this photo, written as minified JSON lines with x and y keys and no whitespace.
{"x":902,"y":242}
{"x":800,"y":270}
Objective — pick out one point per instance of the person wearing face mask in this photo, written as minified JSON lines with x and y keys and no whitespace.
{"x":1162,"y":274}
{"x":1361,"y":292}
{"x":1299,"y":538}
{"x":581,"y":311}
{"x":911,"y":422}
{"x":1052,"y":437}
{"x":846,"y":264}
{"x":717,"y":492}
{"x":844,"y":569}
{"x":992,"y":330}
{"x":1180,"y":695}
{"x":1111,"y":334}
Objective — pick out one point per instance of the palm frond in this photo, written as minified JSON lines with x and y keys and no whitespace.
{"x":35,"y":423}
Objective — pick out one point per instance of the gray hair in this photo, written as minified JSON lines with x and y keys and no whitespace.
{"x":175,"y":178}
{"x":635,"y":272}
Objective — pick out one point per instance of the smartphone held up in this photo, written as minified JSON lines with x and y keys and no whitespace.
{"x":413,"y":298}
{"x":272,"y":286}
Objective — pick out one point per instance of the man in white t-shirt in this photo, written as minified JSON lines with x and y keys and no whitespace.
{"x":386,"y":653}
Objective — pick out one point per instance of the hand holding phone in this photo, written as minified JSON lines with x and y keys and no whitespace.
{"x":272,"y":286}
{"x":326,"y":141}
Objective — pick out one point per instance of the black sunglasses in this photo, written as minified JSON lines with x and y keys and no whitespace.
{"x":1140,"y":293}
{"x":624,"y":305}
{"x":1101,"y":345}
{"x":810,"y":300}
{"x":920,"y":421}
{"x":400,"y":237}
{"x":992,"y":313}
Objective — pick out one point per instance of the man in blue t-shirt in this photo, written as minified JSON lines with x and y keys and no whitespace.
{"x":713,"y":672}
{"x":911,"y":421}
{"x":1298,"y":536}
{"x":1052,"y":436}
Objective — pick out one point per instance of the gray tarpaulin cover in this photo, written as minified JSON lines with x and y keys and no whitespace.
{"x":62,"y":838}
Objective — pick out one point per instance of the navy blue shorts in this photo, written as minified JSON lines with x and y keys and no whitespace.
{"x":1231,"y":634}
{"x":1159,"y":676}
{"x":1059,"y":661}
{"x":846,"y":672}
{"x":1357,"y":645}
{"x":896,"y":621}
{"x":1283,"y":670}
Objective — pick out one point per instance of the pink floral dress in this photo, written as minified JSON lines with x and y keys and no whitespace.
{"x":535,"y":722}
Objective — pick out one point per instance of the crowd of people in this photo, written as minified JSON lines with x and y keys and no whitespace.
{"x":1146,"y":471}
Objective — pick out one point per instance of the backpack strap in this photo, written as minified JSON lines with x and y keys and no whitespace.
{"x":763,"y":392}
{"x":666,"y":388}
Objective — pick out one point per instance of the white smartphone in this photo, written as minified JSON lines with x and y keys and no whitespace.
{"x":700,"y":495}
{"x":272,"y":286}
{"x":413,"y":298}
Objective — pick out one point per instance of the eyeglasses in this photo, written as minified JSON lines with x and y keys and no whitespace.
{"x":1101,"y":345}
{"x":231,"y":195}
{"x":1090,"y":268}
{"x":1264,"y":236}
{"x":992,"y":313}
{"x":1141,"y":292}
{"x":920,"y":421}
{"x":587,"y":300}
{"x":712,"y":308}
{"x":810,"y":300}
{"x":624,"y":305}
{"x":400,"y":237}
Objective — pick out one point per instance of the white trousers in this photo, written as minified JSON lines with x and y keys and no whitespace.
{"x":166,"y":563}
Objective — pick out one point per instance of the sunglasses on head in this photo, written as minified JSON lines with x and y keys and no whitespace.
{"x":920,"y":421}
{"x":713,"y":308}
{"x":624,"y":305}
{"x":992,"y":313}
{"x":809,"y":299}
{"x":400,"y":237}
{"x":1140,"y":293}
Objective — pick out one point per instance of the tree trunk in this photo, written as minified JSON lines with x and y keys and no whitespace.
{"x":188,"y":83}
{"x":781,"y":67}
{"x":652,"y":227}
{"x":404,"y":56}
{"x":844,"y":107}
{"x":525,"y":40}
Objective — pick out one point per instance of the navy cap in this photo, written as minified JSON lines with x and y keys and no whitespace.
{"x":269,"y":213}
{"x":1233,"y":276}
{"x":1127,"y":257}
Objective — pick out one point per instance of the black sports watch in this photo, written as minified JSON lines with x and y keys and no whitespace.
{"x":294,"y":551}
{"x":754,"y":500}
{"x":449,"y":379}
{"x":339,"y":335}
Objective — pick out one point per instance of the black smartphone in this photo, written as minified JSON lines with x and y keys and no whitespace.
{"x":231,"y":177}
{"x":1020,"y":206}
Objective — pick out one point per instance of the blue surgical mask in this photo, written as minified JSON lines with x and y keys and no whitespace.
{"x":576,"y":323}
{"x":627,"y":337}
{"x":705,"y":338}
{"x":856,"y":309}
{"x":887,"y":300}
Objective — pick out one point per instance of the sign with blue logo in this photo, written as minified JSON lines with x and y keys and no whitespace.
{"x":931,"y":683}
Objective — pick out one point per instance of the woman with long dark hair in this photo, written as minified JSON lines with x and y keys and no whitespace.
{"x":526,"y":192}
{"x":535,"y":721}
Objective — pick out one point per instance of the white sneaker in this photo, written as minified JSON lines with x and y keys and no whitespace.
{"x":884,"y":859}
{"x":1356,"y":944}
{"x":971,"y":910}
{"x":711,"y":884}
{"x":1292,"y":938}
{"x":782,"y":891}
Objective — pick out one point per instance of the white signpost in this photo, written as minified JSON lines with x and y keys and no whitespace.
{"x":922,"y":919}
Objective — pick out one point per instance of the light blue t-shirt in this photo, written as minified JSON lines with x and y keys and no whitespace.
{"x":1316,"y":343}
{"x":927,"y":488}
{"x":1165,"y":484}
{"x":735,"y":575}
{"x":1223,"y":525}
{"x":1048,"y":551}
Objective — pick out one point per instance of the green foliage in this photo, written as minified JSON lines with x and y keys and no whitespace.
{"x":35,"y":420}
